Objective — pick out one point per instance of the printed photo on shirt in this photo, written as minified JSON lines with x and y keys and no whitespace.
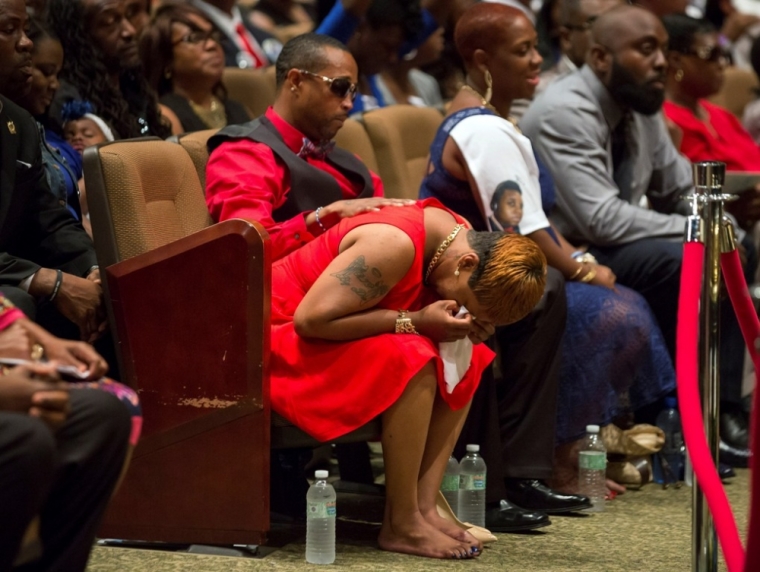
{"x":506,"y":207}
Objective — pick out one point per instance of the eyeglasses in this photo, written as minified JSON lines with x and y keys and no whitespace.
{"x":340,"y":86}
{"x":196,"y":37}
{"x":709,"y":53}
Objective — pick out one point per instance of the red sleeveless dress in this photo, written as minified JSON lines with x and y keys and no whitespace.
{"x":330,"y":388}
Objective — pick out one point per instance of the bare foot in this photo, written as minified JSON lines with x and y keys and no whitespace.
{"x":615,"y":487}
{"x":451,"y":529}
{"x":415,"y":535}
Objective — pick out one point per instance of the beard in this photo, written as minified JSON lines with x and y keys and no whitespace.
{"x":628,"y":92}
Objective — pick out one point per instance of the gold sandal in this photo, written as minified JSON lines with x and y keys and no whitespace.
{"x":478,"y":532}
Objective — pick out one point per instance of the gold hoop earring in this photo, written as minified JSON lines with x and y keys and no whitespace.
{"x":679,"y":75}
{"x":489,"y":86}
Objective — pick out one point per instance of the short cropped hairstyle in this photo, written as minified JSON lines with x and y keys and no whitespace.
{"x":482,"y":26}
{"x":511,"y":276}
{"x":307,"y":52}
{"x":682,"y":29}
{"x":501,"y":188}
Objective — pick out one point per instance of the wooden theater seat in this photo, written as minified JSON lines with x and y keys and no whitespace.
{"x":401,"y":136}
{"x":188,"y":304}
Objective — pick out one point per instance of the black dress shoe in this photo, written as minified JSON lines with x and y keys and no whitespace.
{"x":535,"y":495}
{"x":734,"y":429}
{"x":733,"y":456}
{"x":725,"y":471}
{"x":506,"y":517}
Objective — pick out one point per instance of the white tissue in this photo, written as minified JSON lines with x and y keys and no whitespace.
{"x":456,"y":357}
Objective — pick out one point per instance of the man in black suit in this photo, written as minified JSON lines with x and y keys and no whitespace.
{"x":47,"y":262}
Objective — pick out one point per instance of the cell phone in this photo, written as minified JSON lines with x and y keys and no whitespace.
{"x":67,"y":372}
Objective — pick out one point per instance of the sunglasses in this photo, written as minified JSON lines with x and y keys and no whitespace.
{"x":709,"y":53}
{"x":340,"y":86}
{"x":196,"y":37}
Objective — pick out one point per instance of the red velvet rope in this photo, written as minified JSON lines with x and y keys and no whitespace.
{"x":750,"y":326}
{"x":687,"y":360}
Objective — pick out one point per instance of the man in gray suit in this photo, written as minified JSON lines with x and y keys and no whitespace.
{"x":619,"y":179}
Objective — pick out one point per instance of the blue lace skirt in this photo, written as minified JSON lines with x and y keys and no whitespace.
{"x":613,"y":358}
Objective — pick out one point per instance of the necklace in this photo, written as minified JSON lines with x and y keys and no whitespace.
{"x":441,"y":249}
{"x":488,"y":105}
{"x":214,"y":117}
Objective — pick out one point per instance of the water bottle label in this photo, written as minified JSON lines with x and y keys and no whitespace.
{"x":593,"y":460}
{"x":450,"y":483}
{"x":321,"y":509}
{"x":472,"y":482}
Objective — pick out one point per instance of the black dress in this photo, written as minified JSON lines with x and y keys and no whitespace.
{"x":234,"y":110}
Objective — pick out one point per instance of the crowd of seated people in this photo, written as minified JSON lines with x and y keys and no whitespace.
{"x":555,"y":241}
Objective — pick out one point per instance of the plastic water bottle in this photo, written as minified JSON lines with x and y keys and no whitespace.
{"x":450,"y":485}
{"x":673,"y":450}
{"x":592,"y":468}
{"x":320,"y":521}
{"x":472,"y":487}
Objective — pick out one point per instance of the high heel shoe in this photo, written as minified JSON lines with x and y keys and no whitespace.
{"x":478,"y":532}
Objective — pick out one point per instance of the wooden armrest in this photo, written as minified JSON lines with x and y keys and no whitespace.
{"x":192,"y":326}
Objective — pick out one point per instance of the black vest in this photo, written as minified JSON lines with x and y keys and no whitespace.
{"x":309,"y":187}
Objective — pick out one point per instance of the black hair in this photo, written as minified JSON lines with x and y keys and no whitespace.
{"x":39,"y":30}
{"x":548,"y":36}
{"x":714,"y":13}
{"x":500,"y":190}
{"x":304,"y":52}
{"x":132,"y":109}
{"x":682,"y":30}
{"x":404,"y":13}
{"x":754,"y":56}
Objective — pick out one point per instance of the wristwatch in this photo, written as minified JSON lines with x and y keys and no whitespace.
{"x":404,"y":323}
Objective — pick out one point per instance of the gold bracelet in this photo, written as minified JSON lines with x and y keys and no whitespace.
{"x":575,"y":274}
{"x":404,"y":323}
{"x":589,"y":276}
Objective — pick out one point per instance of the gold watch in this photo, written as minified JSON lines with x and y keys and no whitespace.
{"x":404,"y":323}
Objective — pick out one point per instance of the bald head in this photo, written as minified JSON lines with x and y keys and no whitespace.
{"x":576,"y":18}
{"x":627,"y":55}
{"x":624,"y":24}
{"x":662,"y":8}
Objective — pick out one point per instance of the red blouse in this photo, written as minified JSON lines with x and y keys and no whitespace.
{"x":245,"y":179}
{"x":723,"y":140}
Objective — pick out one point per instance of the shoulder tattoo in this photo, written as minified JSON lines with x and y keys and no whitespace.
{"x":365,"y":282}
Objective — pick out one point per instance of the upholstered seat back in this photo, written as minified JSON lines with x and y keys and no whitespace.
{"x":354,"y":138}
{"x":196,"y":145}
{"x":401,"y":136}
{"x":739,"y":88}
{"x":253,"y":88}
{"x":142,"y":194}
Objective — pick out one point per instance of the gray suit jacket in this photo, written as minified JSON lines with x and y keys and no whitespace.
{"x":570,"y":126}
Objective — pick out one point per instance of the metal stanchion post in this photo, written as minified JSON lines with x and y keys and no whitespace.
{"x":708,"y":182}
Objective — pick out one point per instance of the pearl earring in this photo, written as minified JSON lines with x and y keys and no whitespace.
{"x":456,"y":272}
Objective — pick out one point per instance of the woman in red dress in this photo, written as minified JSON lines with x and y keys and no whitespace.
{"x":357,"y":319}
{"x":696,"y":66}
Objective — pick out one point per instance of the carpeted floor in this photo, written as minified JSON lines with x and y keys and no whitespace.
{"x":647,"y":530}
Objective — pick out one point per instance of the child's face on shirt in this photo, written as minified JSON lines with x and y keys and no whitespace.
{"x":82,"y":133}
{"x":510,"y":209}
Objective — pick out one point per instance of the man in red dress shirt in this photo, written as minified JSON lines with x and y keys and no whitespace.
{"x":281,"y":169}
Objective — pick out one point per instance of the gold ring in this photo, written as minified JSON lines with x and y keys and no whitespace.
{"x":37,"y":353}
